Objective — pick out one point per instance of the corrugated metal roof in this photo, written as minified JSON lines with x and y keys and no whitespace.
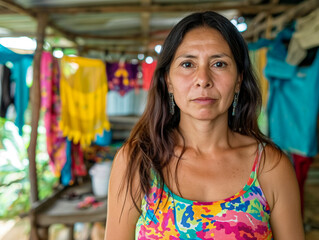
{"x":115,"y":25}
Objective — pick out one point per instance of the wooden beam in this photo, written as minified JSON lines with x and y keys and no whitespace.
{"x":278,"y":22}
{"x":253,"y":1}
{"x":255,"y":21}
{"x":12,"y":6}
{"x":216,"y":6}
{"x":136,"y":38}
{"x":35,"y":97}
{"x":145,"y":22}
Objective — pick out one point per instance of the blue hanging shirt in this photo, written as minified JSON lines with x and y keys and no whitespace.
{"x":293,"y":102}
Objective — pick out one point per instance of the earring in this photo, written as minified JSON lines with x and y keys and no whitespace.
{"x":235,"y":102}
{"x":171,"y":104}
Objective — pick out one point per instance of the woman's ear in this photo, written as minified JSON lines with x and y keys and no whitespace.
{"x":168,"y":83}
{"x":238,"y":82}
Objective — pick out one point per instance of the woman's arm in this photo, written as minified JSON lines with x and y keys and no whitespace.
{"x":280,"y":180}
{"x":121,"y":213}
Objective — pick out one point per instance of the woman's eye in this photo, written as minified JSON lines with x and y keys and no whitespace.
{"x":219,"y":64}
{"x":187,"y":64}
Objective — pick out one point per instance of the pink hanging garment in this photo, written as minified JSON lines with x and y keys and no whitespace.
{"x":51,"y":105}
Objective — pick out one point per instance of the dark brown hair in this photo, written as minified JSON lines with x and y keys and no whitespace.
{"x":152,"y":140}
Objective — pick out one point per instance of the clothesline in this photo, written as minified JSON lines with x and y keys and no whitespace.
{"x":140,"y":78}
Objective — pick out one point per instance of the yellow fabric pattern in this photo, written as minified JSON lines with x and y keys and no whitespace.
{"x":83,"y":88}
{"x":259,"y":61}
{"x":262,"y":61}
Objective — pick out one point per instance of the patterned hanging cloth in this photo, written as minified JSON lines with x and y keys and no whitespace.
{"x":51,"y":106}
{"x":83,"y":89}
{"x":122,"y":77}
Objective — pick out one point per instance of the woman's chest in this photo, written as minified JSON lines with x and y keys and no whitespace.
{"x":208,"y":181}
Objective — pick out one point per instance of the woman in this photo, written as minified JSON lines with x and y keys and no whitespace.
{"x":196,"y":166}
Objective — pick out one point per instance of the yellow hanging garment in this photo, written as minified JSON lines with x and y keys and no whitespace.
{"x":83,"y":88}
{"x":261,"y":64}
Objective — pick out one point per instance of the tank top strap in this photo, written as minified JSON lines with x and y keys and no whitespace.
{"x":154,"y":178}
{"x":261,"y":147}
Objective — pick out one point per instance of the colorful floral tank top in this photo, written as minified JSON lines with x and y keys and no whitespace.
{"x":242,"y":216}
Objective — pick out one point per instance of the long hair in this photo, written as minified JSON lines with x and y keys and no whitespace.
{"x":152,"y":140}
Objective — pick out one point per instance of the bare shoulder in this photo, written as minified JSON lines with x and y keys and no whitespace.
{"x":275,"y":162}
{"x":121,"y":211}
{"x":120,"y":172}
{"x":120,"y":162}
{"x":275,"y":169}
{"x":279,"y":184}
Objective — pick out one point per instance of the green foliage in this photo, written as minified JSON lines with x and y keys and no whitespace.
{"x":14,"y":168}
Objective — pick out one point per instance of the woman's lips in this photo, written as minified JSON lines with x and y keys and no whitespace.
{"x":204,"y":100}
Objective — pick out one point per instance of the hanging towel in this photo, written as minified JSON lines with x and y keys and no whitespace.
{"x":83,"y":89}
{"x":51,"y":106}
{"x":122,"y":77}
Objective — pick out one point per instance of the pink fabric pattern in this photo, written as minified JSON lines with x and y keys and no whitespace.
{"x":51,"y":106}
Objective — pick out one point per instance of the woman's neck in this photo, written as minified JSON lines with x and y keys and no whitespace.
{"x":206,"y":135}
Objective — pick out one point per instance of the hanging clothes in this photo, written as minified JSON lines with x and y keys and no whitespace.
{"x":132,"y":103}
{"x":66,"y":172}
{"x":304,"y":38}
{"x":139,"y":103}
{"x":74,"y":165}
{"x":118,"y":105}
{"x":83,"y":88}
{"x":302,"y":165}
{"x":258,"y":55}
{"x":148,"y":71}
{"x":77,"y":156}
{"x":293,"y":99}
{"x":51,"y":106}
{"x":21,"y":66}
{"x":122,"y":77}
{"x":5,"y":90}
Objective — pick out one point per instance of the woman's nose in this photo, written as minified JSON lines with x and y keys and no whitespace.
{"x":204,"y":78}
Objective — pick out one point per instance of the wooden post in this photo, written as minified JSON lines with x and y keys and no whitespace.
{"x":35,"y":97}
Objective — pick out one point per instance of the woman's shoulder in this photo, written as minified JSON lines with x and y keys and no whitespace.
{"x":273,"y":158}
{"x":275,"y":174}
{"x":122,"y":167}
{"x":122,"y":156}
{"x":123,"y":185}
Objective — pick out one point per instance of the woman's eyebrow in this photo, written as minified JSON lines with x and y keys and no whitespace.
{"x":219,"y":55}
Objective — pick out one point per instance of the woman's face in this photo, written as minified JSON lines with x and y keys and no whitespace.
{"x":203,"y":75}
